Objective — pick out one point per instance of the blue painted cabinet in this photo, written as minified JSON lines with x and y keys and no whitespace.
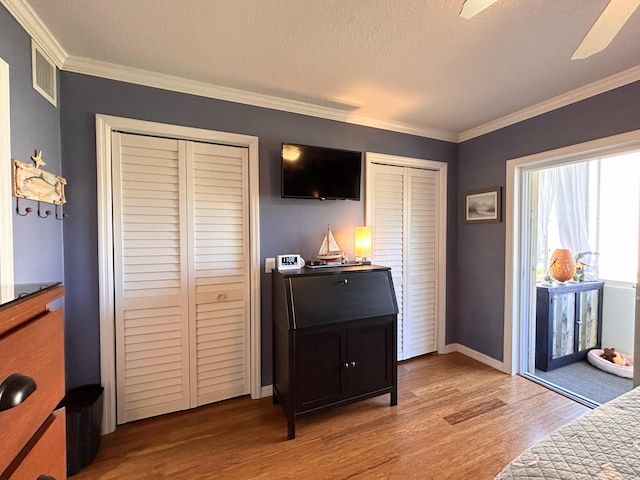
{"x":568,"y":322}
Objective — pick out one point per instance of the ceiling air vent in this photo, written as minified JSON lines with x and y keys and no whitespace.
{"x":43,"y":71}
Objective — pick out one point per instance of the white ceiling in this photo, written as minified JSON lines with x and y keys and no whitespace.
{"x":415,"y":63}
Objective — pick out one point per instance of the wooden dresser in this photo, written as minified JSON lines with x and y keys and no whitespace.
{"x":33,"y":444}
{"x":334,"y":338}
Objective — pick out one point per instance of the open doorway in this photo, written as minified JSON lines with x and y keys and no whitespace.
{"x":590,"y":210}
{"x":529,"y":247}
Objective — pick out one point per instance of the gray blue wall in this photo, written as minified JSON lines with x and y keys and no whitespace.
{"x":475,"y":263}
{"x":482,"y":163}
{"x":35,"y":125}
{"x":286,"y":225}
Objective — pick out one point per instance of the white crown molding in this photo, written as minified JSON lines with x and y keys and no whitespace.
{"x":177,"y":84}
{"x":38,"y":31}
{"x":609,"y":83}
{"x":28,"y":19}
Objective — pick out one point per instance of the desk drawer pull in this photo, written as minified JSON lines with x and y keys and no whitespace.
{"x":15,"y":389}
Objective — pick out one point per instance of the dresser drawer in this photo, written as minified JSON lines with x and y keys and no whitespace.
{"x":45,"y":453}
{"x":35,"y":349}
{"x":320,"y":300}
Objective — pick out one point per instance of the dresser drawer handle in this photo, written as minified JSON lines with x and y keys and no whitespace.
{"x":15,"y":389}
{"x":45,"y":477}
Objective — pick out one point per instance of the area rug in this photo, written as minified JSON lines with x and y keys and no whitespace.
{"x":584,"y":379}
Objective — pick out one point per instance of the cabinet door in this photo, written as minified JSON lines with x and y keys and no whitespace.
{"x":563,"y":324}
{"x":310,"y":294}
{"x":319,"y":378}
{"x":370,"y":357}
{"x":589,"y":302}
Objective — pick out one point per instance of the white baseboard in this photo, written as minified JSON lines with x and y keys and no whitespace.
{"x":266,"y":391}
{"x":480,"y":357}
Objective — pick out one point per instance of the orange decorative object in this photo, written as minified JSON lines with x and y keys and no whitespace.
{"x":562,"y":266}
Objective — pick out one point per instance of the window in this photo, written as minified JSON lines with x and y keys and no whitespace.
{"x":619,"y":216}
{"x":611,"y":213}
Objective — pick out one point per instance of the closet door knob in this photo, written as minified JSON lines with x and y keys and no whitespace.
{"x":346,"y":364}
{"x":352,"y":364}
{"x":346,"y":281}
{"x":15,"y":389}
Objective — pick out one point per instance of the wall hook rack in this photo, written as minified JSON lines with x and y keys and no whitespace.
{"x":59,"y":213}
{"x":27,"y":210}
{"x":46,"y":213}
{"x":60,"y":217}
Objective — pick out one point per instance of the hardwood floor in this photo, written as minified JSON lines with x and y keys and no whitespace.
{"x":455,"y":419}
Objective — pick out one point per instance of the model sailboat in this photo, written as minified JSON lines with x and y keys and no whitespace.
{"x":329,"y":251}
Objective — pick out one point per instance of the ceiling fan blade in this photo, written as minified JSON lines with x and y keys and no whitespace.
{"x":612,"y":19}
{"x":474,"y":7}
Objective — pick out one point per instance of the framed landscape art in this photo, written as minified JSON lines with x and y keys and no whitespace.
{"x":483,"y":206}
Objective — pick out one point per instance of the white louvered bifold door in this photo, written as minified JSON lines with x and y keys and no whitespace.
{"x":403,"y":218}
{"x":220,"y":272}
{"x":387,"y":226}
{"x":150,"y":277}
{"x":181,"y":274}
{"x":420,"y":269}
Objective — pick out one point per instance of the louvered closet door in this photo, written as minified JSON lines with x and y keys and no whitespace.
{"x":151,"y":278}
{"x":404,"y":223}
{"x":388,"y":227}
{"x":220,"y":271}
{"x":420,"y":271}
{"x":181,"y":274}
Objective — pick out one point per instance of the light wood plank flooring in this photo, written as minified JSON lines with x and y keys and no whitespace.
{"x":455,"y":419}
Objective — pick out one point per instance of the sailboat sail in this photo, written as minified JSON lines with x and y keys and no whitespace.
{"x":329,"y":250}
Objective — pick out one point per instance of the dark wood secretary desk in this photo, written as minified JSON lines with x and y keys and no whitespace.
{"x":334,"y":338}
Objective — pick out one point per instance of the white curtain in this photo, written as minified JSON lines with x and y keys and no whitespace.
{"x":547,"y":186}
{"x":565,"y":189}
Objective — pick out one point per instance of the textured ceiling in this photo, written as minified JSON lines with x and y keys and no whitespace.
{"x":416,"y":62}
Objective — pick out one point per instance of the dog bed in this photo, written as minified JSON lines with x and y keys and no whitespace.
{"x":626,"y":371}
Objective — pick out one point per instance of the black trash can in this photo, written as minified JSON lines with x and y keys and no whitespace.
{"x":84,"y":422}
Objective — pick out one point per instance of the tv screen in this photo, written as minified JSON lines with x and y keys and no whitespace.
{"x":320,"y":173}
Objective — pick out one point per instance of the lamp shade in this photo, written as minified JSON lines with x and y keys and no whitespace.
{"x":363,"y":242}
{"x":562,"y":266}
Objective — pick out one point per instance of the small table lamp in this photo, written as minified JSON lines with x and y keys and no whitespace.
{"x":363,"y":245}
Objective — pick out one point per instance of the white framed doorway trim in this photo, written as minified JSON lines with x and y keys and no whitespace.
{"x":105,"y":125}
{"x":6,"y":195}
{"x":519,"y":288}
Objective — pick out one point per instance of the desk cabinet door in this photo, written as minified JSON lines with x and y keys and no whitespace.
{"x":320,"y":368}
{"x":325,"y":299}
{"x":370,"y":357}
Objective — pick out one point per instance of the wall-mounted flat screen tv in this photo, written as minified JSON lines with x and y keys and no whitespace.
{"x":321,"y":173}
